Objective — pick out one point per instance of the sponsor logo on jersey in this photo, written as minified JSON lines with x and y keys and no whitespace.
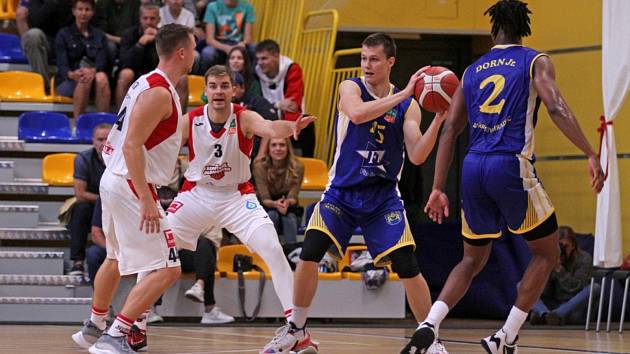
{"x":373,"y":163}
{"x":108,"y":149}
{"x":175,"y":205}
{"x":216,"y":171}
{"x":393,"y":218}
{"x":390,"y":116}
{"x":251,"y":205}
{"x":170,"y":239}
{"x":232,"y":129}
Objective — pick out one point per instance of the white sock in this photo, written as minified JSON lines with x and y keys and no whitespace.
{"x":141,"y":322}
{"x":120,"y":327}
{"x":299,"y":315}
{"x":98,"y":318}
{"x":436,"y":315}
{"x":513,"y":324}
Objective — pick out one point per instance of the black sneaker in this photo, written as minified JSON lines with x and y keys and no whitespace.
{"x":421,"y":339}
{"x":77,"y":269}
{"x":137,"y":339}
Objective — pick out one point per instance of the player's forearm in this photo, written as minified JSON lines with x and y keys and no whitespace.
{"x":367,"y":111}
{"x":565,"y":120}
{"x":446,"y":149}
{"x":423,"y":147}
{"x":279,"y":129}
{"x":134,"y":156}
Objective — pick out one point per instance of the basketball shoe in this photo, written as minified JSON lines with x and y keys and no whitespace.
{"x":496,"y":344}
{"x":290,"y":339}
{"x":421,"y":340}
{"x":88,"y":335}
{"x":111,"y":345}
{"x":437,"y":348}
{"x":137,"y":339}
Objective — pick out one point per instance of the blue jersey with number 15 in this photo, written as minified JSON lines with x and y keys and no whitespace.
{"x":501,"y":101}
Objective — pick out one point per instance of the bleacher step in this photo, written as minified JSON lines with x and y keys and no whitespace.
{"x":44,"y":309}
{"x":43,"y":232}
{"x":36,"y":279}
{"x":6,"y":171}
{"x":19,"y":216}
{"x":28,"y":262}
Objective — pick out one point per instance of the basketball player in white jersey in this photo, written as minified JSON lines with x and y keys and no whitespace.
{"x":141,"y":152}
{"x":217,"y":191}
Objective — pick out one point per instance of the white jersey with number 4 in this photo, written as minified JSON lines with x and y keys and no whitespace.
{"x":161,"y":148}
{"x":218,"y":159}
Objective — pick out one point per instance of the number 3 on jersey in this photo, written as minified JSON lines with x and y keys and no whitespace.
{"x":218,"y":152}
{"x":499,"y":84}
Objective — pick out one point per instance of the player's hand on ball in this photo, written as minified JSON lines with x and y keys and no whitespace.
{"x":302,"y":123}
{"x":411,"y":85}
{"x":149,"y":216}
{"x":437,"y":206}
{"x":441,"y":117}
{"x":597,"y":174}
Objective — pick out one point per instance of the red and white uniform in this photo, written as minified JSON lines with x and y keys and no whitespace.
{"x":134,"y":249}
{"x":217,"y":191}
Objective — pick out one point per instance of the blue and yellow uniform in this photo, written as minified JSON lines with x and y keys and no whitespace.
{"x":499,"y":183}
{"x":363,"y":182}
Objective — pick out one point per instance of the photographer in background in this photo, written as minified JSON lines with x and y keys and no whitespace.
{"x":566,"y":294}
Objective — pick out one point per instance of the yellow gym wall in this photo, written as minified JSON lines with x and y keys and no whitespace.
{"x":556,"y":25}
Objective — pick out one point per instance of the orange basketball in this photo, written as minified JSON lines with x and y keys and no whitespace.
{"x":435,"y":89}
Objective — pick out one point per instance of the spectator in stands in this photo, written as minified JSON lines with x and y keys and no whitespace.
{"x":113,"y":17}
{"x":45,"y":19}
{"x":174,"y":12}
{"x":565,"y":297}
{"x":203,"y":262}
{"x":282,"y":84}
{"x":82,"y":62}
{"x":95,"y":254}
{"x":278,"y":180}
{"x":88,"y":169}
{"x":228,"y":24}
{"x":21,"y":17}
{"x":239,"y":61}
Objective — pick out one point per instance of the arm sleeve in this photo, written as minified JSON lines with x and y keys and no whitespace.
{"x":97,"y":215}
{"x":80,"y":168}
{"x":250,"y":14}
{"x":294,"y":90}
{"x":210,"y":15}
{"x":296,"y":183}
{"x":572,"y":282}
{"x":261,"y":182}
{"x":63,"y":66}
{"x":102,"y":56}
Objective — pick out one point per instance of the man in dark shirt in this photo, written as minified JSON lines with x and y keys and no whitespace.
{"x":113,"y":17}
{"x":88,"y":169}
{"x":45,"y":18}
{"x":82,"y":61}
{"x":96,"y":253}
{"x":138,"y":55}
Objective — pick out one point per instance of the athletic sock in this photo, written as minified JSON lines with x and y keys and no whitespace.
{"x":436,"y":315}
{"x":513,"y":324}
{"x":98,"y":318}
{"x":141,"y":322}
{"x":298,"y":316}
{"x":120,"y":327}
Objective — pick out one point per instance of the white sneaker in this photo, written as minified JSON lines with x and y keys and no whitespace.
{"x":154,"y":316}
{"x":497,"y":344}
{"x":215,"y":316}
{"x":195,"y":293}
{"x":437,"y":348}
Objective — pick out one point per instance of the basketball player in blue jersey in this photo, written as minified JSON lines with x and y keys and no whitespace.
{"x":500,"y":94}
{"x":376,"y":122}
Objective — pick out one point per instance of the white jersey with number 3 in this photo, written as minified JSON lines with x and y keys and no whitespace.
{"x":218,"y":159}
{"x":161,"y":148}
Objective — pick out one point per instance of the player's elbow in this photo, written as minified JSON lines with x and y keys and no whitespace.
{"x":417,"y":159}
{"x":357,"y":116}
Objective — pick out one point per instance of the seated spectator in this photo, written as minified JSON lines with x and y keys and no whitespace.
{"x":282,"y":84}
{"x":203,"y":263}
{"x":565,"y":297}
{"x":45,"y":19}
{"x":113,"y":17}
{"x":239,"y":61}
{"x":82,"y":62}
{"x":138,"y":55}
{"x":21,"y":17}
{"x":278,"y":180}
{"x":174,"y":12}
{"x":88,"y":169}
{"x":95,"y":255}
{"x":228,"y":24}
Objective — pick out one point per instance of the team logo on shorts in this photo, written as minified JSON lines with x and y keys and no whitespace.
{"x":216,"y":171}
{"x":170,"y":239}
{"x":393,"y":218}
{"x":251,"y":205}
{"x":175,"y":205}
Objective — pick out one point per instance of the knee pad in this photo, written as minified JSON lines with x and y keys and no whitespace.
{"x":404,"y":262}
{"x":315,"y":245}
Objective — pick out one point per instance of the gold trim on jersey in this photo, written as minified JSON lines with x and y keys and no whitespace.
{"x":317,"y":223}
{"x":406,"y":239}
{"x":531,"y":65}
{"x":468,"y":233}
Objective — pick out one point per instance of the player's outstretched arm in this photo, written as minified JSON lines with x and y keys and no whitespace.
{"x":545,"y":85}
{"x":419,"y":146}
{"x":437,"y":206}
{"x":152,"y":106}
{"x":253,"y":124}
{"x":352,"y":105}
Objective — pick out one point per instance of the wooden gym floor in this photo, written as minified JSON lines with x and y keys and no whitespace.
{"x":459,"y":337}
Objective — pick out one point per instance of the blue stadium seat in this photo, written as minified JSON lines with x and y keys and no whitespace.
{"x":45,"y":127}
{"x":11,"y":50}
{"x":87,"y":122}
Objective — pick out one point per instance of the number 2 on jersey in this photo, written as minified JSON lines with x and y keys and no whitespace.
{"x":499,"y":84}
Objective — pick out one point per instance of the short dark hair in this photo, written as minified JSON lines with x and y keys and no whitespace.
{"x":171,"y":37}
{"x":380,"y":38}
{"x":510,"y":16}
{"x":218,"y":71}
{"x":101,"y":126}
{"x":91,"y":2}
{"x":268,"y":45}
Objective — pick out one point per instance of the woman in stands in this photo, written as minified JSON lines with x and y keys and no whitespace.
{"x":278,"y":180}
{"x":239,"y":62}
